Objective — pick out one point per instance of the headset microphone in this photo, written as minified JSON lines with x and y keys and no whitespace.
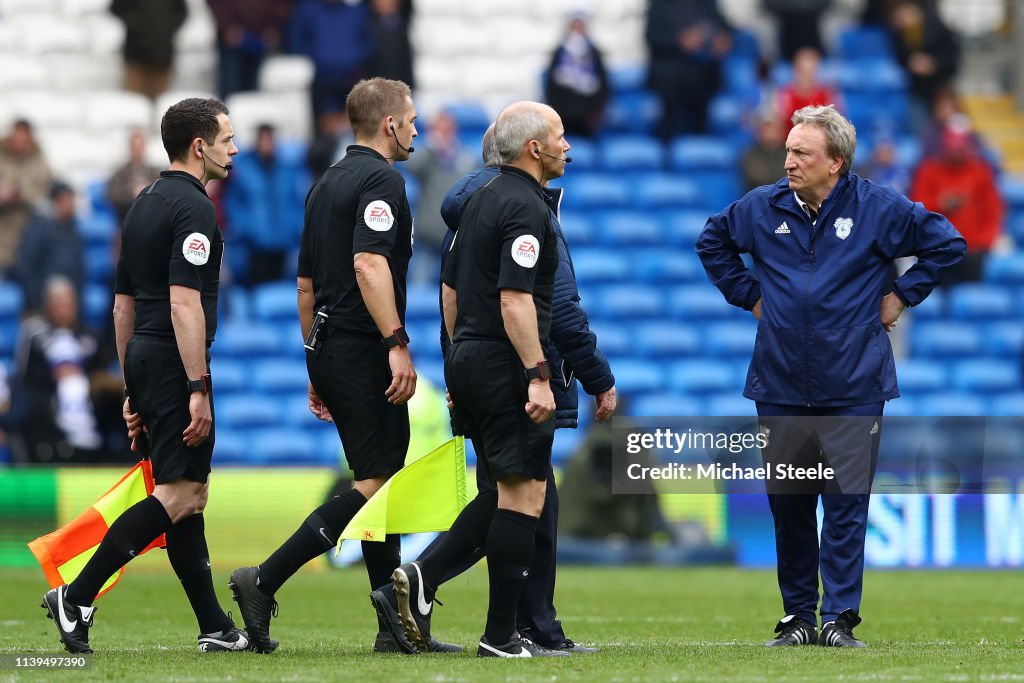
{"x":410,"y":149}
{"x":228,"y":167}
{"x":564,"y":160}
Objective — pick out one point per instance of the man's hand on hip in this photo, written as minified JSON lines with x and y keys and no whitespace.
{"x":756,"y":310}
{"x":892,"y":307}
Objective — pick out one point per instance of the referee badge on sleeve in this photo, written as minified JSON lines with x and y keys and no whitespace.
{"x":196,"y":249}
{"x":378,"y":216}
{"x":525,"y":250}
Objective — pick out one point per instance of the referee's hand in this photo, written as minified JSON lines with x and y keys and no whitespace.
{"x":540,"y":405}
{"x":403,"y":376}
{"x":317,"y":407}
{"x":202,"y":417}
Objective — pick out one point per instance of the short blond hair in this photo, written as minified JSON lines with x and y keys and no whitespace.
{"x":372,"y":99}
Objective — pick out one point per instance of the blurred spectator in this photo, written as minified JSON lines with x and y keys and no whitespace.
{"x":929,"y":52}
{"x":687,"y":40}
{"x":576,"y":85}
{"x":338,"y":36}
{"x":52,"y":415}
{"x":799,"y":22}
{"x":763,"y":162}
{"x":945,"y":113}
{"x":24,"y":181}
{"x":392,"y":54}
{"x":333,"y":135}
{"x":805,"y":90}
{"x":131,"y":178}
{"x":961,"y":185}
{"x":883,"y":169}
{"x":438,"y":164}
{"x":247,"y":30}
{"x":51,"y":246}
{"x":148,"y":50}
{"x":264,"y":203}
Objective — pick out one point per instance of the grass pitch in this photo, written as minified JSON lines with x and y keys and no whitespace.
{"x":653,"y":625}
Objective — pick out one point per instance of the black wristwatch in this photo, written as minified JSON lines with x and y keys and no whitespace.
{"x":399,"y":338}
{"x":541,"y":371}
{"x":201,"y":385}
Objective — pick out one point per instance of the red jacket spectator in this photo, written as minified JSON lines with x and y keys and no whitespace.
{"x":805,"y":90}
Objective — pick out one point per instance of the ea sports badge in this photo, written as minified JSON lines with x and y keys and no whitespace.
{"x":843,"y":227}
{"x":378,"y":216}
{"x":196,"y":249}
{"x":525,"y":250}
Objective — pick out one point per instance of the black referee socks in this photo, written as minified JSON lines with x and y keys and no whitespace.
{"x":317,"y":534}
{"x":460,"y":548}
{"x":137,"y":527}
{"x":509,"y":552}
{"x":190,"y":559}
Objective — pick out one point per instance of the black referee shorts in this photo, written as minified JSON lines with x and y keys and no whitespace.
{"x":158,"y":387}
{"x":350,"y":374}
{"x":489,"y":390}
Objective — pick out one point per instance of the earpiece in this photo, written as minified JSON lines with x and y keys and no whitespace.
{"x":392,"y":128}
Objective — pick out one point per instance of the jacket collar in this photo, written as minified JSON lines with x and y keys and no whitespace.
{"x":553,"y":198}
{"x":784,"y":198}
{"x":526,"y":177}
{"x":184,"y":175}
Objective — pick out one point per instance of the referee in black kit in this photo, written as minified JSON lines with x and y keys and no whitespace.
{"x":497,"y":300}
{"x":165,"y":317}
{"x":353,"y":259}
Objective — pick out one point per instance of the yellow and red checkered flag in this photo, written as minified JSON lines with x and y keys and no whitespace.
{"x":63,"y":553}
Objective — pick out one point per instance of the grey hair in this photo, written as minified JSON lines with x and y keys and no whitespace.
{"x":516,"y":126}
{"x":840,"y":135}
{"x":491,"y":156}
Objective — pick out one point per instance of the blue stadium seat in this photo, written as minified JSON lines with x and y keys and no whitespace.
{"x":630,"y":153}
{"x":745,"y":44}
{"x":595,"y":266}
{"x":986,"y":376}
{"x":1003,"y":405}
{"x":233,"y":304}
{"x":249,"y":338}
{"x":726,"y":113}
{"x":595,"y":191}
{"x":11,"y":300}
{"x":699,"y":302}
{"x":864,"y":41}
{"x":1015,"y":225}
{"x":871,"y":112}
{"x":579,"y":228}
{"x":665,"y":190}
{"x":229,"y":376}
{"x":232,"y":446}
{"x":1004,"y":339}
{"x":666,"y":340}
{"x":981,"y":302}
{"x":730,"y":339}
{"x":627,"y":79}
{"x":932,"y":308}
{"x":424,"y":334}
{"x":634,"y":377}
{"x":8,"y":338}
{"x":98,"y":228}
{"x":432,"y":368}
{"x":871,"y":75}
{"x":241,"y":411}
{"x":565,"y":444}
{"x":421,"y":302}
{"x":1012,"y":188}
{"x":290,"y":447}
{"x":720,"y":188}
{"x":703,"y":377}
{"x":945,"y":339}
{"x":295,"y":411}
{"x":921,"y":376}
{"x":700,"y":153}
{"x":904,"y":406}
{"x":952,"y":403}
{"x":280,"y":376}
{"x":739,"y":75}
{"x":627,"y":302}
{"x":1005,"y":268}
{"x":664,"y":405}
{"x":630,"y":229}
{"x":632,"y":112}
{"x":97,"y":304}
{"x":684,"y":226}
{"x":274,"y":301}
{"x":469,"y":116}
{"x":613,"y":339}
{"x":584,"y":155}
{"x":667,"y":266}
{"x":730,"y":404}
{"x":99,"y":263}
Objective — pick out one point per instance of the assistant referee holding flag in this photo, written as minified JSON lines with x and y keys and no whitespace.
{"x":353,"y":260}
{"x":165,"y":317}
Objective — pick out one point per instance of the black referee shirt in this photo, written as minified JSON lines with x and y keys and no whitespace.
{"x":358,"y":205}
{"x":170,"y":237}
{"x":505,"y":241}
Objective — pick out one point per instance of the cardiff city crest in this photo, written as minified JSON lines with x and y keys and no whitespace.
{"x":843,"y":227}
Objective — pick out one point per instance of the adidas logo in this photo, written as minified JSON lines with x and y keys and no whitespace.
{"x":874,"y":429}
{"x":782,"y":229}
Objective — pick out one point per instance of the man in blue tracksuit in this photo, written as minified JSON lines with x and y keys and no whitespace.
{"x":573,"y":356}
{"x":823,"y":241}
